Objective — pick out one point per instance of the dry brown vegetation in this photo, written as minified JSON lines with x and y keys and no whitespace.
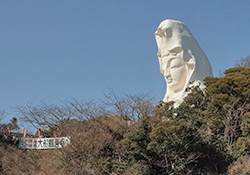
{"x":240,"y":167}
{"x":93,"y":145}
{"x":16,"y":161}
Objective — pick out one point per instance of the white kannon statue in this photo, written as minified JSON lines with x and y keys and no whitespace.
{"x":181,"y":59}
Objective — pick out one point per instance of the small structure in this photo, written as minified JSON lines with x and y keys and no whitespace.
{"x":43,"y":143}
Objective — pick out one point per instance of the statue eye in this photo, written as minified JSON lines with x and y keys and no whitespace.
{"x":175,"y":63}
{"x":174,"y":51}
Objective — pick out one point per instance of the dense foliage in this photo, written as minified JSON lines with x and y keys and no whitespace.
{"x":209,"y":133}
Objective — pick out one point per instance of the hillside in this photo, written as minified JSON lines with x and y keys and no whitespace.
{"x":207,"y":134}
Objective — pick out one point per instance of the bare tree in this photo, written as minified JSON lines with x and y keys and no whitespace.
{"x":243,"y":62}
{"x":54,"y":118}
{"x":130,"y":107}
{"x":2,"y":116}
{"x":12,"y":125}
{"x":233,"y":120}
{"x":45,"y":116}
{"x":85,"y":110}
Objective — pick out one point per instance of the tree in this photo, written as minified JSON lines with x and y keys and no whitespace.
{"x":45,"y":116}
{"x":228,"y":100}
{"x":243,"y":62}
{"x":130,"y":107}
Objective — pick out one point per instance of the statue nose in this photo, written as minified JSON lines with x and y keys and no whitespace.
{"x":167,"y":73}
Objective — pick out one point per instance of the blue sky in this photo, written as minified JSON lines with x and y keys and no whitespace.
{"x":58,"y":50}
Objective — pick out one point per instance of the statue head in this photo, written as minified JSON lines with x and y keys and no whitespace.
{"x":181,"y":59}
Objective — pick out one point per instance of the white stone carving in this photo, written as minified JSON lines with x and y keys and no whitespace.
{"x":181,"y":59}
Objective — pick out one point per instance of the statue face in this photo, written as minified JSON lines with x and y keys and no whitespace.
{"x":174,"y":68}
{"x":181,"y":58}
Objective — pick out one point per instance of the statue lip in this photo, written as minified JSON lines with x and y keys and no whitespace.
{"x":168,"y":79}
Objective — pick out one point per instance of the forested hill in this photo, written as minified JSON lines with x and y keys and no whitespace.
{"x":209,"y":133}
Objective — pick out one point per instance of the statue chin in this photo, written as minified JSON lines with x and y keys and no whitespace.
{"x":176,"y":87}
{"x":181,"y":59}
{"x":178,"y":97}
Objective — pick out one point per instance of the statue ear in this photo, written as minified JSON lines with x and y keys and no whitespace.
{"x":190,"y":65}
